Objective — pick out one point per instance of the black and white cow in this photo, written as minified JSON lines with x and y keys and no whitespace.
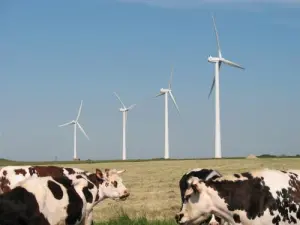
{"x":51,"y":200}
{"x":203,"y":174}
{"x":262,"y":197}
{"x":19,"y":207}
{"x":96,"y":186}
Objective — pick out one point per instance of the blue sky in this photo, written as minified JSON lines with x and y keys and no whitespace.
{"x":55,"y":53}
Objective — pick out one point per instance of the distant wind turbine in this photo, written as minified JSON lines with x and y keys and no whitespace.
{"x":216,"y":81}
{"x":165,"y":92}
{"x":76,"y":123}
{"x":124,"y":111}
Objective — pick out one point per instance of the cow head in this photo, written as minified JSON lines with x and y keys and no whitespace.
{"x":203,"y":174}
{"x":193,"y":210}
{"x":112,"y":185}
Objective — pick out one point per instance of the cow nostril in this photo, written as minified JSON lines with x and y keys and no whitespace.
{"x":178,"y":217}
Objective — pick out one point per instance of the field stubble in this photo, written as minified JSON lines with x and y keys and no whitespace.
{"x":154,"y":186}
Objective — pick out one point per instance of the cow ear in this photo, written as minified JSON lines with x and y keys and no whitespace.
{"x":189,"y":191}
{"x":120,"y":171}
{"x":213,"y":174}
{"x":195,"y":186}
{"x":99,"y":174}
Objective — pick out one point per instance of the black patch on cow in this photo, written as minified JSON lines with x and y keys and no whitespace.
{"x":66,"y":182}
{"x":55,"y":189}
{"x":236,"y":218}
{"x":87,"y":194}
{"x":95,"y":179}
{"x":115,"y":184}
{"x":20,"y":171}
{"x":74,"y":209}
{"x":276,"y":220}
{"x":20,"y":207}
{"x":293,"y":219}
{"x":70,"y":170}
{"x":97,"y":197}
{"x":296,"y":175}
{"x":283,"y":171}
{"x":247,"y":175}
{"x":4,"y":184}
{"x":255,"y":198}
{"x":201,"y":174}
{"x":79,"y":177}
{"x":31,"y":171}
{"x":45,"y":171}
{"x":218,"y":219}
{"x":236,"y":175}
{"x":247,"y":195}
{"x":90,"y":185}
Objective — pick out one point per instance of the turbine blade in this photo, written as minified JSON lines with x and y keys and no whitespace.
{"x":174,"y":101}
{"x":131,"y":107}
{"x":217,"y":37}
{"x":82,"y":131}
{"x":159,"y":94}
{"x":232,"y":64}
{"x":212,"y":87}
{"x":79,"y":111}
{"x":119,"y":99}
{"x":171,"y":77}
{"x":65,"y":124}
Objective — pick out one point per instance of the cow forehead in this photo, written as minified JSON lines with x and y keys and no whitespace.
{"x":115,"y":177}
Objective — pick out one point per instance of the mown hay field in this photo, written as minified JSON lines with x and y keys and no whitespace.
{"x":154,"y":184}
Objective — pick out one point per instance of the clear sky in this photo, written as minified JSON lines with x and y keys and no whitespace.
{"x":55,"y":53}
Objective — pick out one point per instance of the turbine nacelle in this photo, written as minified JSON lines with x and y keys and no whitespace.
{"x":213,"y":59}
{"x":163,"y":90}
{"x":123,"y":110}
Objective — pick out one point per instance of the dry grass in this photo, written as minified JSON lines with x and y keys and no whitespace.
{"x":154,"y":184}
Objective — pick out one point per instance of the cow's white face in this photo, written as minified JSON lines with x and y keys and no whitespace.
{"x":197,"y":205}
{"x":113,"y":186}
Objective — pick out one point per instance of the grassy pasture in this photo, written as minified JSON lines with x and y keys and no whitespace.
{"x":154,"y":186}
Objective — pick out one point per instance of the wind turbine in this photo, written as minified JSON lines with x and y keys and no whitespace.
{"x":124,"y":111}
{"x":76,"y":123}
{"x":164,"y":91}
{"x":216,"y":82}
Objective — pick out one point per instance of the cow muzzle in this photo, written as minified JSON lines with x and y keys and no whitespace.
{"x":124,"y":196}
{"x":178,"y":218}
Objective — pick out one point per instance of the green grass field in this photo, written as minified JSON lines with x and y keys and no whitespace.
{"x":125,"y":220}
{"x":153,"y":185}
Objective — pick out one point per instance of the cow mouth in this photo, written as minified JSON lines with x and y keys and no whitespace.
{"x":124,"y":197}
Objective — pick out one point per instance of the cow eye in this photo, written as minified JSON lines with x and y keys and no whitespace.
{"x":187,"y":197}
{"x":115,"y":183}
{"x":194,"y":189}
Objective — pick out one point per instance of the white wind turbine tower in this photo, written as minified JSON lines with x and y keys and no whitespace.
{"x":164,"y":91}
{"x":216,"y":82}
{"x":76,"y":123}
{"x":124,"y":111}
